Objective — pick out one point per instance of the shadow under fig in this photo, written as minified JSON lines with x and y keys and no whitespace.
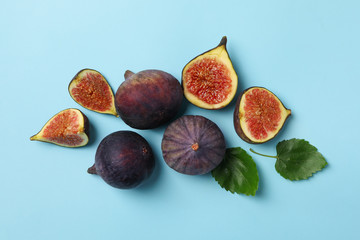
{"x":261,"y":192}
{"x":93,"y":134}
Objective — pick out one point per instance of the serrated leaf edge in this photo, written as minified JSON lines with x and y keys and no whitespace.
{"x":312,"y":173}
{"x":233,"y":192}
{"x":257,"y":175}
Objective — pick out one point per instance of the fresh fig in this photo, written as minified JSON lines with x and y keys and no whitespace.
{"x":209,"y":80}
{"x":193,"y":145}
{"x":123,"y":159}
{"x":68,"y":128}
{"x":259,"y":115}
{"x":148,"y":98}
{"x":90,"y":89}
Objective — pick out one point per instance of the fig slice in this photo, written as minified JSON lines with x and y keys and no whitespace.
{"x":90,"y":89}
{"x":193,"y":145}
{"x":68,"y":128}
{"x":209,"y":80}
{"x":259,"y":115}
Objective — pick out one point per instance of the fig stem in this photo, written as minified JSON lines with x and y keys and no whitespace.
{"x":264,"y":155}
{"x":92,"y":169}
{"x":223,"y":41}
{"x":128,"y":74}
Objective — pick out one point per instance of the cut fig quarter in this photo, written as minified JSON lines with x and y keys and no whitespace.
{"x":90,"y":89}
{"x":259,"y":115}
{"x":68,"y":128}
{"x":209,"y":80}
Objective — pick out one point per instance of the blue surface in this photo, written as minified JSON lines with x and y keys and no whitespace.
{"x":306,"y":52}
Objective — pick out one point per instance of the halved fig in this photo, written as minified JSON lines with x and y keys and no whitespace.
{"x":90,"y":89}
{"x":68,"y":128}
{"x":259,"y":115}
{"x":193,"y":145}
{"x":209,"y":80}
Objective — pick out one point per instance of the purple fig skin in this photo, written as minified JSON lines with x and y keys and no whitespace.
{"x":148,"y":99}
{"x":193,"y":145}
{"x":124,"y":159}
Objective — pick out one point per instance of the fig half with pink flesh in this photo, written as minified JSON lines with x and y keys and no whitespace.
{"x":90,"y":89}
{"x":259,"y":115}
{"x":209,"y":80}
{"x":68,"y":128}
{"x":193,"y":145}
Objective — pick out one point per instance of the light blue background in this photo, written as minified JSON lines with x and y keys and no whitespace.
{"x":307,"y":52}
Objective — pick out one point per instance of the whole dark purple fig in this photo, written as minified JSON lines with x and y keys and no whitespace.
{"x":193,"y":145}
{"x":123,"y":159}
{"x":148,"y":98}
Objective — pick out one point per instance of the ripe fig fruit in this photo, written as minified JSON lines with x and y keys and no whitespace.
{"x":123,"y":159}
{"x":209,"y":80}
{"x":193,"y":145}
{"x":259,"y":115}
{"x":148,"y":98}
{"x":68,"y":128}
{"x":90,"y":89}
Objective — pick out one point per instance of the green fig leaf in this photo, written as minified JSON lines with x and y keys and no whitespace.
{"x":237,"y":172}
{"x":297,"y":159}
